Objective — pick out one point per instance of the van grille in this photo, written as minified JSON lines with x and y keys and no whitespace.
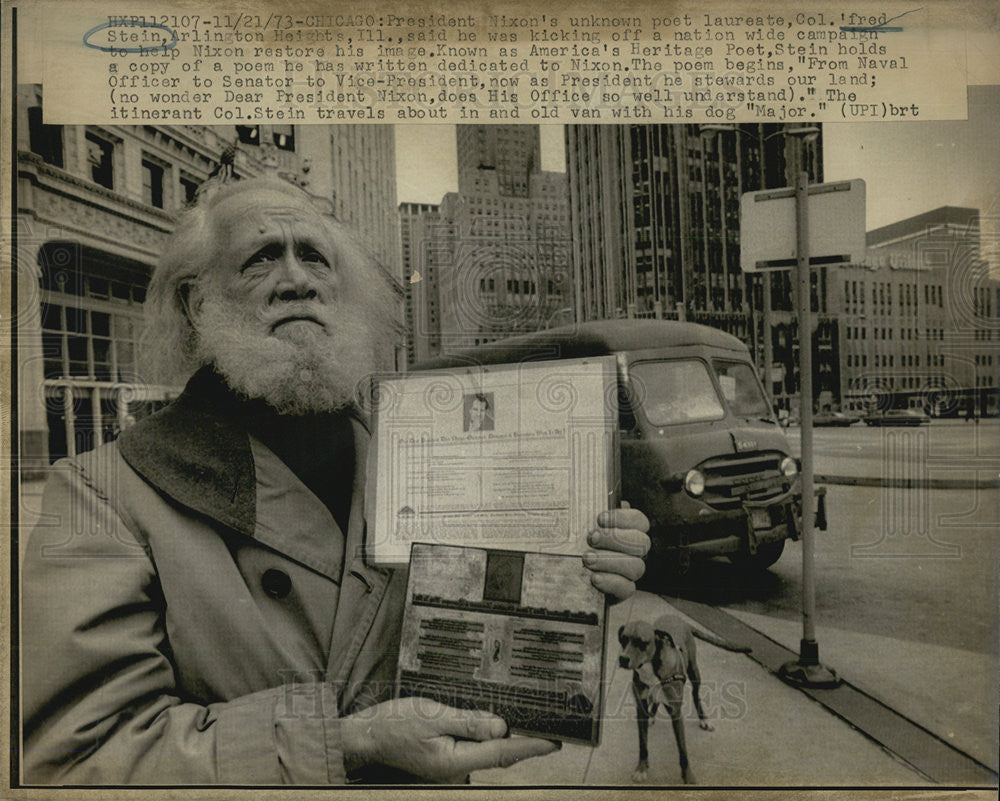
{"x":730,"y":480}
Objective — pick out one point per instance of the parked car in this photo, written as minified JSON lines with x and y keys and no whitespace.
{"x":834,"y":419}
{"x":701,"y":450}
{"x":897,"y":417}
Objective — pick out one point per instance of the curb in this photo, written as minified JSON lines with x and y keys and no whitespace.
{"x":909,"y":483}
{"x":931,"y":755}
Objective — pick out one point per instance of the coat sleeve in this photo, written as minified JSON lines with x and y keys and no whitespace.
{"x":99,"y":697}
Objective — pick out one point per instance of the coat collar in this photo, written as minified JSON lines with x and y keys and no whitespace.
{"x":194,"y":452}
{"x":197,"y":452}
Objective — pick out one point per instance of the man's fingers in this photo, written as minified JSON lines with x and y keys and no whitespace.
{"x":634,"y":542}
{"x":614,"y":585}
{"x":501,"y":753}
{"x":629,"y":567}
{"x":469,"y":724}
{"x":623,"y":518}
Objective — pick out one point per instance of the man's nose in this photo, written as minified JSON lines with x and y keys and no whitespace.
{"x":295,"y":282}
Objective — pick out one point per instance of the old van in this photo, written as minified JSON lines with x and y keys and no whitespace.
{"x":701,"y":451}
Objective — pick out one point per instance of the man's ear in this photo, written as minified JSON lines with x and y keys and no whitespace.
{"x":621,"y":631}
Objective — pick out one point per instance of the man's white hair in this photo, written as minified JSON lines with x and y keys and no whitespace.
{"x":169,"y":346}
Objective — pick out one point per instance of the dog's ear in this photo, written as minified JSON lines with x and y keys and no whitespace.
{"x":662,"y":636}
{"x":621,"y":632}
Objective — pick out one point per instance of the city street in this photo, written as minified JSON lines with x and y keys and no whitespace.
{"x":947,"y":449}
{"x":906,"y":595}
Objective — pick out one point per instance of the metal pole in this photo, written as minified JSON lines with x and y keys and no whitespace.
{"x":807,"y":670}
{"x":768,"y":344}
{"x":70,"y":420}
{"x":805,"y":409}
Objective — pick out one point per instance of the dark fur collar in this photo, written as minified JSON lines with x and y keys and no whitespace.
{"x":197,"y":452}
{"x":194,"y":452}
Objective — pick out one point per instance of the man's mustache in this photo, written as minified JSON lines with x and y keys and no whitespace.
{"x":296,"y":311}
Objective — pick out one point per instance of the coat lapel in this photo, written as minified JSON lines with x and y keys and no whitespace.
{"x":291,"y":519}
{"x":195,"y":453}
{"x":363,"y":587}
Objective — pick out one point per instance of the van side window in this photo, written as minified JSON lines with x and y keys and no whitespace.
{"x":741,"y":389}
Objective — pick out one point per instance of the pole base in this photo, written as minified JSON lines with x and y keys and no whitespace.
{"x":807,"y":671}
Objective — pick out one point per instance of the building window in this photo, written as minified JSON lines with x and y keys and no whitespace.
{"x":248,"y":134}
{"x":190,"y":189}
{"x":46,"y":140}
{"x":152,"y":183}
{"x":89,"y":339}
{"x":99,"y":157}
{"x":284,"y":137}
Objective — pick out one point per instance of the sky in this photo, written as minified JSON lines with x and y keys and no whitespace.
{"x":908,"y":167}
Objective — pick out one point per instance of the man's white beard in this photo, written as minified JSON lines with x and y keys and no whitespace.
{"x":303,"y":370}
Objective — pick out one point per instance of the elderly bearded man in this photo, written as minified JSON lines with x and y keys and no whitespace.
{"x":201,"y":611}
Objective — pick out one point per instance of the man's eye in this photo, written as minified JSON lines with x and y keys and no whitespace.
{"x":260,"y":258}
{"x":311,"y":256}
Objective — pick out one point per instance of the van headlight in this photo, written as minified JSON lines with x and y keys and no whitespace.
{"x":788,"y":467}
{"x":694,"y":482}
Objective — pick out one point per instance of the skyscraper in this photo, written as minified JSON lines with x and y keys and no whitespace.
{"x":655,"y":222}
{"x":419,"y":281}
{"x":355,"y":166}
{"x":494,"y":257}
{"x":513,"y":152}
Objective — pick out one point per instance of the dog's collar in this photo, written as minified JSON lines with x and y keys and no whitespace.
{"x":650,"y":678}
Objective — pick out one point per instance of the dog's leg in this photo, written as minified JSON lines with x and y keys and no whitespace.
{"x":695,"y":675}
{"x":641,"y":772}
{"x":677,"y":720}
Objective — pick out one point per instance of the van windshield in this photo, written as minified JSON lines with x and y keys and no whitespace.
{"x":679,"y":391}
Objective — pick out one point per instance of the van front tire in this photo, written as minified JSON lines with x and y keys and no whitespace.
{"x":766,"y":556}
{"x":666,"y":567}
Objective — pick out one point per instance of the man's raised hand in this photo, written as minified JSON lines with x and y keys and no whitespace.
{"x":617,"y":547}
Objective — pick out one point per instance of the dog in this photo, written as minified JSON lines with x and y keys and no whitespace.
{"x":662,"y":657}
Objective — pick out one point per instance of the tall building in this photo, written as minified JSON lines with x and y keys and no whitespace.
{"x":355,"y":166}
{"x":918,"y":322}
{"x":513,"y":152}
{"x":95,"y":205}
{"x":494,"y":257}
{"x":419,"y":282}
{"x":655,"y":222}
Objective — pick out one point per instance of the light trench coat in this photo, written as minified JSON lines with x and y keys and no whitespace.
{"x":192,"y":613}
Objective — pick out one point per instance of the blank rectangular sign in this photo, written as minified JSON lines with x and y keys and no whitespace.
{"x":836,"y":226}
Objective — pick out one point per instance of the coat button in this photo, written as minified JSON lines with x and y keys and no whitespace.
{"x":276,"y":583}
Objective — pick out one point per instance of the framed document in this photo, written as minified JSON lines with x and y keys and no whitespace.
{"x":517,"y":457}
{"x":518,"y":634}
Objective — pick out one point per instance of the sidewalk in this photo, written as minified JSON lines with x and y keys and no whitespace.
{"x":767,"y":734}
{"x":949,"y":691}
